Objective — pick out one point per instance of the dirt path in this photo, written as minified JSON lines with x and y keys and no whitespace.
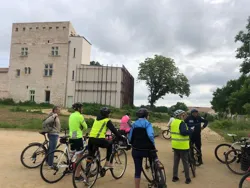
{"x":211,"y":175}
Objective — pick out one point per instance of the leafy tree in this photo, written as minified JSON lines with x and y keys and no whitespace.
{"x":247,"y":108}
{"x":162,"y":77}
{"x":178,"y":106}
{"x":243,"y":52}
{"x":95,"y":63}
{"x":162,"y":109}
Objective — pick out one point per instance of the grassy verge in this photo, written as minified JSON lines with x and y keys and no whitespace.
{"x":222,"y":127}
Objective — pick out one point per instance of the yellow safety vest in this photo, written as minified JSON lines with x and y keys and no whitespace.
{"x":99,"y":128}
{"x":178,"y":141}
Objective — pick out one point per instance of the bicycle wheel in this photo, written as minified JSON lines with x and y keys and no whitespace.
{"x":161,"y":176}
{"x":146,"y":170}
{"x":119,"y":159}
{"x":57,"y":170}
{"x":197,"y":156}
{"x":234,"y":161}
{"x":245,"y":181}
{"x":220,"y":152}
{"x":35,"y":154}
{"x":166,"y":134}
{"x":89,"y":168}
{"x":192,"y":165}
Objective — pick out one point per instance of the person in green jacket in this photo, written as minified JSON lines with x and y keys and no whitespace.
{"x":77,"y":125}
{"x":180,"y":144}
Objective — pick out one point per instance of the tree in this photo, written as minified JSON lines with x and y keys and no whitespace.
{"x":178,"y":106}
{"x":95,"y":63}
{"x":243,"y":52}
{"x":162,"y":77}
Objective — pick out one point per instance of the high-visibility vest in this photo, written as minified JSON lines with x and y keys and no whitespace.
{"x":178,"y":141}
{"x":99,"y":128}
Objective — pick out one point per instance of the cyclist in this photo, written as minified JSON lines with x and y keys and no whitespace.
{"x":98,"y":133}
{"x":180,"y":144}
{"x":141,"y":136}
{"x":170,"y":120}
{"x":194,"y":120}
{"x":77,"y":125}
{"x":125,"y":123}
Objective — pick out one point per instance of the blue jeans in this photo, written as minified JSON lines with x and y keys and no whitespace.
{"x":52,"y":146}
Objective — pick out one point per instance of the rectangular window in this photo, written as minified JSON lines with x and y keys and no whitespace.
{"x":16,"y":29}
{"x":73,"y":75}
{"x":24,"y":29}
{"x":24,"y":51}
{"x":18,"y":72}
{"x":47,"y":96}
{"x":54,"y":51}
{"x":48,"y":69}
{"x":74,"y":53}
{"x":32,"y":95}
{"x":27,"y":70}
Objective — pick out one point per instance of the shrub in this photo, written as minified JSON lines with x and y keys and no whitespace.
{"x":7,"y":101}
{"x":18,"y":109}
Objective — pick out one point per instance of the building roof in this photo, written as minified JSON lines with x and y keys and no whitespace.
{"x":202,"y":109}
{"x":4,"y":70}
{"x":80,"y":37}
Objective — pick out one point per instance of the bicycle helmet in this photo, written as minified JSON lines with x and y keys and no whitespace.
{"x":178,"y":112}
{"x":77,"y":106}
{"x":105,"y":111}
{"x":142,"y":113}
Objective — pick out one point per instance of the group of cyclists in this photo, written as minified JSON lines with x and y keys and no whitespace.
{"x":139,"y":133}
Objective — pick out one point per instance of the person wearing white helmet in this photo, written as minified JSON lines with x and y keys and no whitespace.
{"x":180,"y":144}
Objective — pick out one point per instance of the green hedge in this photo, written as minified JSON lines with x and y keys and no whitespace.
{"x":9,"y":101}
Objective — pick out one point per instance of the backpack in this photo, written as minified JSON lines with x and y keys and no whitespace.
{"x":48,"y":123}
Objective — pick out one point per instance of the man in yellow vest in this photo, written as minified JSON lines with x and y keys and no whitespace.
{"x":180,"y":144}
{"x":98,"y":133}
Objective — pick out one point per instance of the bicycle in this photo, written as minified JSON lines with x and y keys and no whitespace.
{"x":166,"y":133}
{"x":245,"y":180}
{"x":192,"y":162}
{"x":87,"y":170}
{"x":41,"y":149}
{"x":240,"y":159}
{"x":67,"y":165}
{"x":195,"y":154}
{"x":156,"y":169}
{"x":228,"y":147}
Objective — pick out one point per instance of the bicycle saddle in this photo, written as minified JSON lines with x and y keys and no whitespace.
{"x":42,"y":133}
{"x":231,"y":134}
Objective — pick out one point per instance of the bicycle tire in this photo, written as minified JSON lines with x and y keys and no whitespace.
{"x":44,"y":163}
{"x":243,"y":179}
{"x":145,"y":168}
{"x":193,"y":169}
{"x":197,"y":156}
{"x":161,"y":176}
{"x":86,"y":157}
{"x":166,"y":136}
{"x":237,"y":158}
{"x":216,"y":152}
{"x":118,"y":155}
{"x":39,"y":145}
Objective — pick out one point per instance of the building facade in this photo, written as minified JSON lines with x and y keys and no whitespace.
{"x":44,"y":60}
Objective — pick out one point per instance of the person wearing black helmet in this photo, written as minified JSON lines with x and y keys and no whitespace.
{"x":77,"y":125}
{"x":194,"y":121}
{"x":98,"y":133}
{"x":141,"y":137}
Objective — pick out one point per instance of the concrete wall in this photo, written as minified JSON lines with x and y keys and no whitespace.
{"x":98,"y":84}
{"x":39,"y":39}
{"x":4,"y":83}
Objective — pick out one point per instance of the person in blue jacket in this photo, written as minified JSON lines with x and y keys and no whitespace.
{"x":141,"y":137}
{"x":194,"y":120}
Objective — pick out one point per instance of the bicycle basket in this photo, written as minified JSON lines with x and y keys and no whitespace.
{"x":63,"y":140}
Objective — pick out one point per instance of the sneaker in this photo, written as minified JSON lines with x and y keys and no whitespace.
{"x":108,"y":165}
{"x":188,"y":181}
{"x":80,"y":178}
{"x":175,"y":179}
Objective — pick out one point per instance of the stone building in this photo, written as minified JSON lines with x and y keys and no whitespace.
{"x":44,"y":61}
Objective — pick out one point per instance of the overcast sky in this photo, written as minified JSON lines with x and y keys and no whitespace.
{"x":198,"y":35}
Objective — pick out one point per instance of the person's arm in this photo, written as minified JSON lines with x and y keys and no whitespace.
{"x":112,"y":128}
{"x":183,"y":130}
{"x":170,"y":121}
{"x":150,"y":132}
{"x":84,"y":125}
{"x":203,"y":121}
{"x":130,"y":134}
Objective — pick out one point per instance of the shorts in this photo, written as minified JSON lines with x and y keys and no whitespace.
{"x":76,"y":144}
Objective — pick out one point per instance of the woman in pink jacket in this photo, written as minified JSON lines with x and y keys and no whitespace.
{"x":125,"y":123}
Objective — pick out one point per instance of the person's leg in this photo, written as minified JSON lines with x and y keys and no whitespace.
{"x":52,"y":146}
{"x":176,"y":165}
{"x":138,"y":167}
{"x":184,"y":158}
